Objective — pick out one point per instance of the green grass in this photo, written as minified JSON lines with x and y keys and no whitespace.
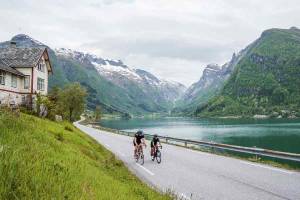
{"x":41,"y":159}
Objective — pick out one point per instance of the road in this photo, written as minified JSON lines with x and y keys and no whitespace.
{"x":197,"y":175}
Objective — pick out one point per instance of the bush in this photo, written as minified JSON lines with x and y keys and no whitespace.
{"x":69,"y":128}
{"x":60,"y":136}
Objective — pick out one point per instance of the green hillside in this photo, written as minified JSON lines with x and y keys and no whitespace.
{"x":100,"y":91}
{"x":266,"y":81}
{"x":112,"y":98}
{"x":41,"y":159}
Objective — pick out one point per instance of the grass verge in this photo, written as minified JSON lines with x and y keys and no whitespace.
{"x":41,"y":159}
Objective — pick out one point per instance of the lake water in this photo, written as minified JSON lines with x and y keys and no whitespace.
{"x":275,"y":134}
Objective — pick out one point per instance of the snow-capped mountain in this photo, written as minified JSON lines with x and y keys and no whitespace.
{"x":128,"y":78}
{"x":112,"y":68}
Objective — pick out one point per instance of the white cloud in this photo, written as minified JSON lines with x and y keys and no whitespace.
{"x":173,"y":39}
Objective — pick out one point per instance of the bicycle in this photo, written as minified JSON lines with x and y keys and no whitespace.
{"x":139,"y":156}
{"x":157,"y":154}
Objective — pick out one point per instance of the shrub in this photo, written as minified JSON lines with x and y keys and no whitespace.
{"x":69,"y":128}
{"x":60,"y":137}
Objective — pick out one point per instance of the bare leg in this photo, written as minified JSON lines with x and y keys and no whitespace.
{"x":134,"y":152}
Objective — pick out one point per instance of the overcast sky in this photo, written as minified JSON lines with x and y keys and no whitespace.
{"x":173,"y":39}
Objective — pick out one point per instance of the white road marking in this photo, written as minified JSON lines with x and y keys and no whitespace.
{"x":144,"y":168}
{"x":185,"y":197}
{"x":266,"y":167}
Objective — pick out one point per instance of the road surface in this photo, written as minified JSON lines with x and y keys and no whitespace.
{"x":196,"y":175}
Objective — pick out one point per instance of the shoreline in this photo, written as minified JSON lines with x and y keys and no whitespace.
{"x":254,"y":159}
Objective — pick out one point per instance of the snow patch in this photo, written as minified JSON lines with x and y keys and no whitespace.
{"x":112,"y":69}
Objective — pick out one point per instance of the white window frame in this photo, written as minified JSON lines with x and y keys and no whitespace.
{"x":2,"y":77}
{"x":40,"y":84}
{"x":27,"y":84}
{"x":41,"y":67}
{"x":14,"y":81}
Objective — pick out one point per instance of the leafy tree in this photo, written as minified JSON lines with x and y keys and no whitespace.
{"x":126,"y":116}
{"x":43,"y":105}
{"x":279,"y":95}
{"x":72,"y":101}
{"x":269,"y":84}
{"x":97,"y":113}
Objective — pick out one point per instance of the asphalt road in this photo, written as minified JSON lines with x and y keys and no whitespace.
{"x":197,"y":175}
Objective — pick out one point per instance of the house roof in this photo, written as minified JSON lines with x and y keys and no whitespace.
{"x":21,"y":57}
{"x":6,"y":68}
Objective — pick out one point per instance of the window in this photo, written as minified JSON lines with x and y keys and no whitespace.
{"x":26,"y":82}
{"x":41,"y":84}
{"x":2,"y":77}
{"x":23,"y":99}
{"x":41,"y":67}
{"x":14,"y":81}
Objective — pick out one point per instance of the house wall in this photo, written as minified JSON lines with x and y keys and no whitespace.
{"x":39,"y":74}
{"x":9,"y":94}
{"x":26,"y":71}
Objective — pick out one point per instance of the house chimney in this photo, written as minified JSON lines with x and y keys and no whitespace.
{"x":13,"y":44}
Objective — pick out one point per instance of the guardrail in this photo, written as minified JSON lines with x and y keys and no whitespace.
{"x":248,"y":150}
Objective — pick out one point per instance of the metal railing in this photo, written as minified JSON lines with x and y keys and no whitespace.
{"x":233,"y":148}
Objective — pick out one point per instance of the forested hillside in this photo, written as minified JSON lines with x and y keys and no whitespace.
{"x":266,"y":81}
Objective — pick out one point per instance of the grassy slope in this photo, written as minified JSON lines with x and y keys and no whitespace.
{"x":40,"y":159}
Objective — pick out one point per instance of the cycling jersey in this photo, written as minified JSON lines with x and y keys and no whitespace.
{"x":138,"y":139}
{"x":154,"y":141}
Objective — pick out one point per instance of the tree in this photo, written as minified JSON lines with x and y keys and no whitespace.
{"x":279,"y":95}
{"x":43,"y":105}
{"x":97,"y":113}
{"x":269,"y":84}
{"x":71,"y":101}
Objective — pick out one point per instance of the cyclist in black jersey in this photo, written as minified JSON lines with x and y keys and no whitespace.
{"x":154,"y":144}
{"x":138,"y":141}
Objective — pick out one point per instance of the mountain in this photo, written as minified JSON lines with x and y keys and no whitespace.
{"x":209,"y":85}
{"x":265,"y":80}
{"x":144,"y":91}
{"x":110,"y":83}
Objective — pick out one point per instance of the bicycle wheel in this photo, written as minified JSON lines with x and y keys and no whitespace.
{"x":142,"y":159}
{"x":137,"y":156}
{"x":158,"y":156}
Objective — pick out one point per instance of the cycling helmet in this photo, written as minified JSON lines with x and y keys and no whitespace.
{"x":140,"y":132}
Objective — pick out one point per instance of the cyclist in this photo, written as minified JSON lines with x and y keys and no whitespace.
{"x":154,"y":144}
{"x":138,"y":141}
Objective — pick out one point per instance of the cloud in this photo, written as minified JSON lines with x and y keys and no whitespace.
{"x":172,"y":39}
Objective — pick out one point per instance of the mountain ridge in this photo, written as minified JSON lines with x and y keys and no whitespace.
{"x":265,"y":81}
{"x":208,"y":86}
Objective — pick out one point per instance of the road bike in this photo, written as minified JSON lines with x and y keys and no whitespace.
{"x":139,"y":156}
{"x":157,"y":154}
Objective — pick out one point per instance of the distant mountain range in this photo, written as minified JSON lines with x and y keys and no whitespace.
{"x":110,"y":83}
{"x":263,"y":79}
